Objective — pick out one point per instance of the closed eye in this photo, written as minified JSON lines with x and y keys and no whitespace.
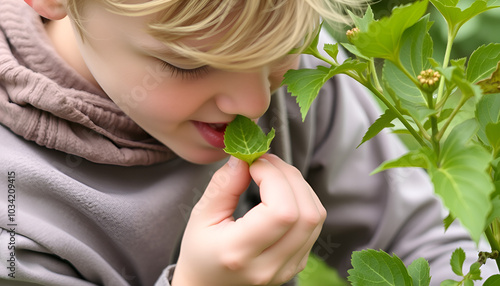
{"x":185,"y":73}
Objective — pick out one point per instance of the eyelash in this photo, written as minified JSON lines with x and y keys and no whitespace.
{"x":185,"y":73}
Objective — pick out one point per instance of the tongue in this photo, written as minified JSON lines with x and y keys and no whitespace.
{"x":218,"y":126}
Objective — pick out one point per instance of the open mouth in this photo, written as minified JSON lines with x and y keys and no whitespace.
{"x":213,"y":133}
{"x":219,"y":127}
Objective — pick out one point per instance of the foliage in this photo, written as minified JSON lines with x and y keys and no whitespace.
{"x":451,"y":107}
{"x":245,"y":140}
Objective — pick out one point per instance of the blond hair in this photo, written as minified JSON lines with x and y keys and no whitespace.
{"x":255,"y":32}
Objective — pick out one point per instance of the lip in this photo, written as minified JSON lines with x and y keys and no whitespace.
{"x":213,"y":133}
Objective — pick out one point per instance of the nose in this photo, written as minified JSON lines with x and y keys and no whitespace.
{"x":244,"y":93}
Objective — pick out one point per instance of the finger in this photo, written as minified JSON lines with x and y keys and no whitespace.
{"x":267,"y":222}
{"x":222,"y":193}
{"x":296,"y":243}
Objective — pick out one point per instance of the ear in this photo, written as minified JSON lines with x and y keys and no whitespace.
{"x":50,"y":9}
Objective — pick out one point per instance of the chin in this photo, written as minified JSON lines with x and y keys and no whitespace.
{"x":204,"y":157}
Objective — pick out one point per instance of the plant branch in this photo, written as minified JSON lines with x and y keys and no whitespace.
{"x":403,"y":120}
{"x":493,"y":243}
{"x":373,"y":72}
{"x":400,"y":66}
{"x":434,"y":126}
{"x":450,"y":119}
{"x":452,"y":33}
{"x":422,"y":130}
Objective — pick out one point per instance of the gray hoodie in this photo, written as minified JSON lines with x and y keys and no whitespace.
{"x":88,"y":198}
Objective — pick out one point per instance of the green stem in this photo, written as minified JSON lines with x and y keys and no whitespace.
{"x":451,"y":37}
{"x":325,"y":59}
{"x":449,"y":119}
{"x":433,"y":118}
{"x":422,"y":130}
{"x":400,"y":66}
{"x":373,"y":72}
{"x":380,"y":96}
{"x":493,"y":243}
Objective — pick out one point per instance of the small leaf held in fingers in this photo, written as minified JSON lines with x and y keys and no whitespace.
{"x":245,"y":140}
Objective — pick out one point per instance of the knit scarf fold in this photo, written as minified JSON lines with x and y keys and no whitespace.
{"x":44,"y":100}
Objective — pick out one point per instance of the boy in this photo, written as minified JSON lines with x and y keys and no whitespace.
{"x":98,"y":201}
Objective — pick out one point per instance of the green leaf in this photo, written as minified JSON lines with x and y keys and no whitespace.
{"x":491,"y":84}
{"x":468,"y":282}
{"x":419,"y":272}
{"x":487,"y":111}
{"x":474,"y":271}
{"x":245,"y":140}
{"x":421,"y":158}
{"x":404,"y":92}
{"x":456,"y":74}
{"x":457,"y":261}
{"x":305,"y":84}
{"x":371,"y":267}
{"x":312,"y":49}
{"x":445,"y":113}
{"x":363,"y":23}
{"x":493,"y":134}
{"x":493,"y":280}
{"x":456,"y":17}
{"x":332,"y":50}
{"x":382,"y":122}
{"x":382,"y":38}
{"x":447,"y":221}
{"x":495,"y":211}
{"x":416,"y":47}
{"x":353,"y":50}
{"x":450,"y":282}
{"x":483,"y":62}
{"x":461,"y":180}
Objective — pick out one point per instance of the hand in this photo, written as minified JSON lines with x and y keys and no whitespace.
{"x":267,"y":246}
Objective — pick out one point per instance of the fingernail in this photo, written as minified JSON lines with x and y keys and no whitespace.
{"x":29,"y":2}
{"x":233,"y":162}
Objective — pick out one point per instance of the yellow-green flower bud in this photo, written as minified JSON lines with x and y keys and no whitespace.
{"x":352,"y":34}
{"x":429,"y":79}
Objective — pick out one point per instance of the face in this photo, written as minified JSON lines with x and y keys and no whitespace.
{"x":184,"y":106}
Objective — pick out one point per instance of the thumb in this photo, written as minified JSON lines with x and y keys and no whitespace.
{"x":223,"y":192}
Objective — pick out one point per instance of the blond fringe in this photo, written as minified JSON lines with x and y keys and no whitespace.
{"x":254,"y":32}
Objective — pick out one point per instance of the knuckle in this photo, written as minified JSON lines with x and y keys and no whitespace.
{"x":294,"y":171}
{"x":287,"y":216}
{"x":302,"y":265}
{"x":313,"y":219}
{"x":232,"y":261}
{"x":323,"y":213}
{"x":287,"y":275}
{"x":262,"y":278}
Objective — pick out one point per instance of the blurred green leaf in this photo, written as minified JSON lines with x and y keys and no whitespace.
{"x":487,"y":111}
{"x":493,"y":280}
{"x":456,"y":17}
{"x":483,"y":62}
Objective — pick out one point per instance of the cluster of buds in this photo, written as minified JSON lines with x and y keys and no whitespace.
{"x":429,"y":79}
{"x":352,"y":33}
